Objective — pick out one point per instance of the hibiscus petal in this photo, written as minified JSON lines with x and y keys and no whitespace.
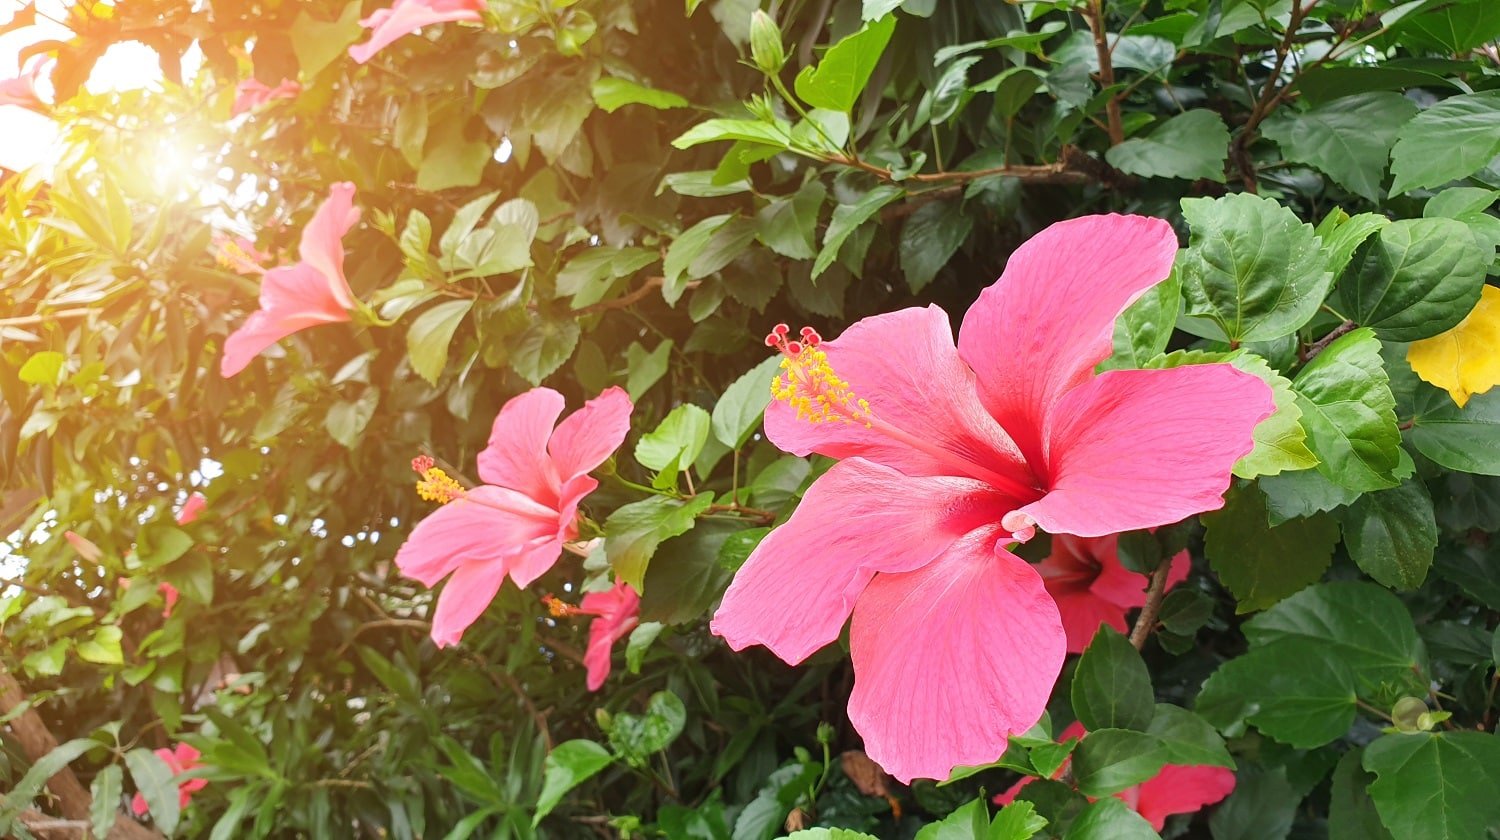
{"x":516,"y":456}
{"x":585,"y":438}
{"x":799,"y":585}
{"x":1083,"y":613}
{"x":1137,"y":449}
{"x":904,"y":363}
{"x":1182,"y":790}
{"x":618,"y":610}
{"x":465,"y":598}
{"x":407,"y":16}
{"x":489,"y":525}
{"x":1042,"y":327}
{"x":952,"y":659}
{"x":322,"y":245}
{"x":1126,"y":589}
{"x":263,"y":329}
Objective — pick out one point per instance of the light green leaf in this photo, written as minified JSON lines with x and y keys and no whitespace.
{"x":1467,"y":130}
{"x":347,"y":419}
{"x":589,"y":276}
{"x":1251,"y":267}
{"x":686,"y":248}
{"x":428,"y":337}
{"x":847,"y":218}
{"x":612,"y":94}
{"x":104,"y":647}
{"x":636,"y":737}
{"x":677,"y":439}
{"x":633,"y":532}
{"x":43,"y":368}
{"x":452,"y":160}
{"x":715,"y":130}
{"x":105,"y":794}
{"x":738,"y":412}
{"x":1111,"y":686}
{"x":839,"y":78}
{"x":1143,"y":330}
{"x":570,"y":764}
{"x":1438,"y":785}
{"x":789,"y":225}
{"x":501,"y":246}
{"x":1349,"y":139}
{"x":317,"y":43}
{"x":1341,"y":235}
{"x":1417,"y":278}
{"x":1191,"y":145}
{"x":542,"y":348}
{"x":153,"y":778}
{"x":1349,"y":413}
{"x":641,"y":639}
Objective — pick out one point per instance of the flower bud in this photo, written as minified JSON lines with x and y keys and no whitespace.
{"x":765,"y":43}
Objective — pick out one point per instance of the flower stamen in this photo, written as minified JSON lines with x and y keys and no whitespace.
{"x":436,"y":485}
{"x":809,"y":383}
{"x":559,"y":608}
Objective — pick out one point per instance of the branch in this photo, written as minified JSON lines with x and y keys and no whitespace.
{"x":1271,"y":94}
{"x":37,"y":741}
{"x":1094,"y":14}
{"x":1065,"y":171}
{"x":1146,"y":621}
{"x":1321,"y":344}
{"x":636,"y":296}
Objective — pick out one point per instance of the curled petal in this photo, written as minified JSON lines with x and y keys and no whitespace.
{"x":952,"y":659}
{"x":468,"y":593}
{"x":618,"y":610}
{"x":588,"y":436}
{"x":1181,"y":790}
{"x":1038,"y":332}
{"x":322,"y":245}
{"x":905,"y":366}
{"x":1136,"y":449}
{"x":488,"y":526}
{"x":292,"y":299}
{"x":799,"y":586}
{"x":516,"y":456}
{"x":407,"y":16}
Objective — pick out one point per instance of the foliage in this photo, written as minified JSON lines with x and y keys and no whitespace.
{"x":592,"y":193}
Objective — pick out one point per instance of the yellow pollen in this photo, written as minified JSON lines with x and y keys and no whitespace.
{"x":438,"y":486}
{"x":819,"y":395}
{"x":557,"y":607}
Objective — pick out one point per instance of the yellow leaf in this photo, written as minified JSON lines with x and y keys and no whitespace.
{"x":1465,"y":360}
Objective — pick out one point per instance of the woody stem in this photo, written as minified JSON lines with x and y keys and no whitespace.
{"x":1146,"y":621}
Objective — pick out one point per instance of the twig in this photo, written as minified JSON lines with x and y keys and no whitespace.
{"x":1146,"y":621}
{"x":1322,"y":344}
{"x":43,"y":317}
{"x":1094,"y":14}
{"x":765,"y":517}
{"x":633,"y":297}
{"x":1271,"y":94}
{"x":1062,"y":172}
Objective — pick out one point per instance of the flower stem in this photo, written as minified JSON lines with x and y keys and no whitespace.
{"x":1146,"y":621}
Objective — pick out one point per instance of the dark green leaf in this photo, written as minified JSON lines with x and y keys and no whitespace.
{"x":1111,"y":687}
{"x":1417,"y":278}
{"x":1467,"y":130}
{"x":1349,"y":139}
{"x":1465,"y":439}
{"x":1438,"y":785}
{"x":930,"y":238}
{"x":1262,"y":565}
{"x":1110,"y":819}
{"x":1351,"y":813}
{"x":1111,"y":760}
{"x":1191,"y":145}
{"x":153,"y":778}
{"x":1392,"y":534}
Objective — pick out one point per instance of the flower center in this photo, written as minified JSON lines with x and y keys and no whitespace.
{"x":559,"y":608}
{"x":232,"y":256}
{"x":436,"y":485}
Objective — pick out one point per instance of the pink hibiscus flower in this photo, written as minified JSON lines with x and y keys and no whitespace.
{"x":180,"y":759}
{"x":191,"y":508}
{"x":617,"y":611}
{"x":515,"y":524}
{"x":253,"y":93}
{"x":1176,"y":789}
{"x":305,"y":294}
{"x":240,"y":255}
{"x":406,"y":17}
{"x":1084,"y":576}
{"x":950,"y":454}
{"x":21,"y":90}
{"x":84,"y":546}
{"x":169,"y":594}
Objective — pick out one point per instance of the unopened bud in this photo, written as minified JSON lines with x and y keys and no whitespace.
{"x":765,"y":43}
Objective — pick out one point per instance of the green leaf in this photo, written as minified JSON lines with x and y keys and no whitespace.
{"x":159,"y":545}
{"x":1290,"y":495}
{"x":428,"y":337}
{"x":104,"y":647}
{"x":1467,"y":130}
{"x":47,"y":662}
{"x":636,"y":737}
{"x":43,"y":368}
{"x":612,"y":94}
{"x":1190,"y":740}
{"x":1465,"y":439}
{"x":542,"y":348}
{"x":678,"y":438}
{"x":501,"y":246}
{"x":1351,"y":813}
{"x":1191,"y":145}
{"x":633,"y":532}
{"x":105,"y":793}
{"x":969,"y":821}
{"x":45,"y":768}
{"x":568,"y":765}
{"x":1016,"y":821}
{"x":1438,"y":785}
{"x":1111,"y":687}
{"x":847,"y":218}
{"x":686,"y":578}
{"x":789,"y":225}
{"x":317,"y":43}
{"x":1342,"y":234}
{"x":1392,"y":534}
{"x":684,"y":250}
{"x":153,"y":778}
{"x":451,"y":160}
{"x":1261,"y":807}
{"x":641,"y":639}
{"x":1110,"y":819}
{"x":589,"y":276}
{"x":930,"y":237}
{"x":1363,"y":625}
{"x":347,"y":419}
{"x":839,"y":78}
{"x":1143,"y":330}
{"x":1417,"y":278}
{"x":777,"y":134}
{"x":738,"y":412}
{"x":465,"y":219}
{"x":646,"y":369}
{"x":1350,"y":414}
{"x":1251,"y":267}
{"x":1262,"y":565}
{"x":1111,"y":760}
{"x":1294,"y":691}
{"x":1349,"y":139}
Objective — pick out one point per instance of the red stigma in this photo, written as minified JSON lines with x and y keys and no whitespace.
{"x":773,"y":340}
{"x":778,"y":338}
{"x":780,"y":330}
{"x":793,"y":348}
{"x":422,"y":463}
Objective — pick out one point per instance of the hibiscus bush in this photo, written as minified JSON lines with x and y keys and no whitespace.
{"x":731,"y":420}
